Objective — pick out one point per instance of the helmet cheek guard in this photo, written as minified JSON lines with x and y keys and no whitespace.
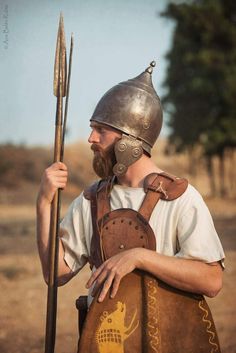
{"x":127,"y":151}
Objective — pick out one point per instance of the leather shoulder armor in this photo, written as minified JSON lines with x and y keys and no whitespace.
{"x":169,"y":186}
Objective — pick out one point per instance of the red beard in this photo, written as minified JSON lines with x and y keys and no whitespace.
{"x":104,"y":160}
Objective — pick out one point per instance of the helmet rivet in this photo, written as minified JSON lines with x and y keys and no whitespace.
{"x":136,"y":152}
{"x":146,"y":125}
{"x":119,"y":169}
{"x":122,"y":146}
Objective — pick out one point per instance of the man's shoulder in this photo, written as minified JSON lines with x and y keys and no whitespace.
{"x":191,"y":198}
{"x":187,"y":190}
{"x":193,"y":192}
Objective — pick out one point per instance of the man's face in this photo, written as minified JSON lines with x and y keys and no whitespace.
{"x":102,"y":140}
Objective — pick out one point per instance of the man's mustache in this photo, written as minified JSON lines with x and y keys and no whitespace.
{"x":95,"y":148}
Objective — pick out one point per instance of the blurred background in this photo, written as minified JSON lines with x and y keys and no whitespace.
{"x":193,"y":43}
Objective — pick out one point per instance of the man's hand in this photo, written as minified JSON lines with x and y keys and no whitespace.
{"x":54,"y":177}
{"x":110,"y":273}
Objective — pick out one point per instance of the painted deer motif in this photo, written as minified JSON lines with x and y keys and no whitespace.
{"x":112,"y":332}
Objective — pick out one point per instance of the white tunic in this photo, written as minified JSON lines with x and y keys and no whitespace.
{"x":183,"y":227}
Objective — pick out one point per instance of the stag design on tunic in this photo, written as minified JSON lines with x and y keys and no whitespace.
{"x":112,"y":332}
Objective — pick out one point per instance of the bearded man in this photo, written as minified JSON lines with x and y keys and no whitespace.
{"x":148,"y":236}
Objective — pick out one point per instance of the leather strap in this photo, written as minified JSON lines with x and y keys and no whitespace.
{"x":95,"y":255}
{"x":103,"y":199}
{"x":99,"y":196}
{"x":160,"y":186}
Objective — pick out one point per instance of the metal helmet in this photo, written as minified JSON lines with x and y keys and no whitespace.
{"x":132,"y":107}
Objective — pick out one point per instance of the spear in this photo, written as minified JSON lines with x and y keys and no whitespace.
{"x":67,"y":97}
{"x":60,"y":89}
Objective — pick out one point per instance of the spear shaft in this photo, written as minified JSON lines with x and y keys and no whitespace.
{"x":59,"y":91}
{"x":53,"y":248}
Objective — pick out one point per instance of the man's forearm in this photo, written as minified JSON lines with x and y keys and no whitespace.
{"x":190,"y":275}
{"x":43,"y":226}
{"x":54,"y":178}
{"x":43,"y":229}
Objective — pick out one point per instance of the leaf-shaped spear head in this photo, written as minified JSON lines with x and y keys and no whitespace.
{"x":60,"y":69}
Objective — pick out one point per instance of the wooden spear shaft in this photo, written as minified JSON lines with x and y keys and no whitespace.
{"x":53,"y":265}
{"x":53,"y":251}
{"x":59,"y":91}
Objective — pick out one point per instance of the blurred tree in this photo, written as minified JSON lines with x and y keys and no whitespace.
{"x":201,"y":79}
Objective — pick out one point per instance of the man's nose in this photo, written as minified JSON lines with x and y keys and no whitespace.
{"x":93,"y":137}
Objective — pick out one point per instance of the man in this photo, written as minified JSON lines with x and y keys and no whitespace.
{"x":177,"y":243}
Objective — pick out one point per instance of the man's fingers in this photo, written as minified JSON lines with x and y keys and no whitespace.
{"x":50,"y":173}
{"x":115,"y":286}
{"x":60,"y":185}
{"x":58,"y":166}
{"x":98,"y":285}
{"x":109,"y":275}
{"x":100,"y":280}
{"x":106,"y":286}
{"x":53,"y":177}
{"x":94,"y":276}
{"x":61,"y":173}
{"x":61,"y":179}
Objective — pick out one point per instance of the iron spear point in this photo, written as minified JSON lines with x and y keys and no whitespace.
{"x":60,"y":68}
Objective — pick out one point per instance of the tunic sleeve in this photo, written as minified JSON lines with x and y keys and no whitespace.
{"x":75,"y":233}
{"x":197,"y":236}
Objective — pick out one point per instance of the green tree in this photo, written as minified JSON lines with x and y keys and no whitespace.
{"x":201,"y":77}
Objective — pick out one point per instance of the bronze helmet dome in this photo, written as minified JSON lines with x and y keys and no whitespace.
{"x":133,"y":107}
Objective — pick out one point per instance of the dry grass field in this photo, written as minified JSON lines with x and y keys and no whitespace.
{"x":23,"y":292}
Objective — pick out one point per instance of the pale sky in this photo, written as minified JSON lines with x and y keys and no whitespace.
{"x":115,"y":40}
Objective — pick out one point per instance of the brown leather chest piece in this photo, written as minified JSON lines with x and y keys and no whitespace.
{"x":125,"y":229}
{"x":110,"y":234}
